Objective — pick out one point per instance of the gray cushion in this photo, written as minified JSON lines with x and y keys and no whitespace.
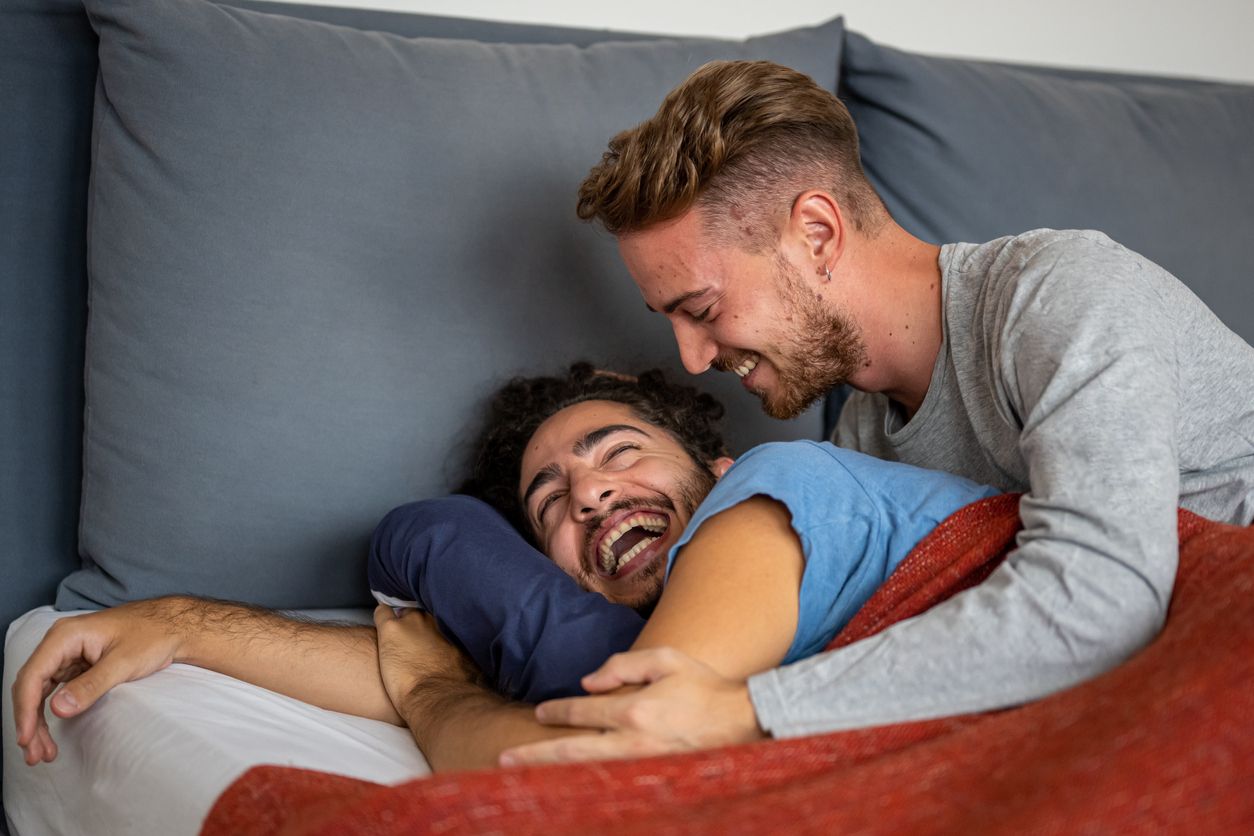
{"x":47,"y":81}
{"x":313,"y":252}
{"x":436,"y":26}
{"x":968,"y":151}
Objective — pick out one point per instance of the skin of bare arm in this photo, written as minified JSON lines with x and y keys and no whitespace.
{"x":732,"y":599}
{"x":729,"y":610}
{"x":329,"y":665}
{"x":743,"y":623}
{"x":457,"y":722}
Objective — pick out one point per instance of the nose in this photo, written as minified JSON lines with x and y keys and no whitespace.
{"x":696,"y":349}
{"x":590,"y":492}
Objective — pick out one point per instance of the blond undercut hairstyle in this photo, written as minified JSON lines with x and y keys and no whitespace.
{"x":739,"y":140}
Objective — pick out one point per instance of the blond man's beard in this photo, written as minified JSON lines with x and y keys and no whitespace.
{"x":825,"y":349}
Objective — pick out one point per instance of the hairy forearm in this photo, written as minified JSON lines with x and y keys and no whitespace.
{"x":333,"y":666}
{"x":459,"y":724}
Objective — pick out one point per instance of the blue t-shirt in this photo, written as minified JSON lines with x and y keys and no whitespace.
{"x":535,"y":632}
{"x":857,"y":517}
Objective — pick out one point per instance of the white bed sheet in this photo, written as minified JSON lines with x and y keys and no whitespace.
{"x":152,"y":756}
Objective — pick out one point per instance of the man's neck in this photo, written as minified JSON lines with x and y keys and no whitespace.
{"x":898,"y":305}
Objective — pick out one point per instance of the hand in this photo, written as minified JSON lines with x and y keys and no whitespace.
{"x":412,"y":651}
{"x":684,"y":705}
{"x":88,"y":655}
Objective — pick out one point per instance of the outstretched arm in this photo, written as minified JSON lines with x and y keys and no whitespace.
{"x":328,"y":665}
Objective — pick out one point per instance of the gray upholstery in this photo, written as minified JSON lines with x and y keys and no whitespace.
{"x":969,"y":151}
{"x":47,"y":81}
{"x":302,"y":289}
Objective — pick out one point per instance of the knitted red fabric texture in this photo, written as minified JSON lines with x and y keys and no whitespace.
{"x":1161,"y":743}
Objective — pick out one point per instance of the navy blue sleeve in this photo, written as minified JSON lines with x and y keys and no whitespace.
{"x":526,"y":624}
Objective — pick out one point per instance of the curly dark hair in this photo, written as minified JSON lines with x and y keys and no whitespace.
{"x":524,"y":403}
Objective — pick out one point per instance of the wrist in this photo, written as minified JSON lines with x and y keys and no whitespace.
{"x":438,"y":700}
{"x":746,"y":716}
{"x":451,"y":719}
{"x":176,"y":611}
{"x":185,"y":621}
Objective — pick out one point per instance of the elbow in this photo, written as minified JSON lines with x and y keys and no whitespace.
{"x":1143,"y":622}
{"x":1107,"y":632}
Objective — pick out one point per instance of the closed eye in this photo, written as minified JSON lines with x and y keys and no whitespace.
{"x":547,"y":503}
{"x":620,"y":449}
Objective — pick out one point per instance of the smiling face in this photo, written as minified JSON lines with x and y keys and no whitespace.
{"x":607,"y":494}
{"x":744,"y":312}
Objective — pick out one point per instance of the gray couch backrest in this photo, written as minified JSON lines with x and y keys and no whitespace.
{"x":48,"y":66}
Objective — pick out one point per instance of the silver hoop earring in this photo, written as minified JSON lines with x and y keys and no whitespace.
{"x":828,"y":271}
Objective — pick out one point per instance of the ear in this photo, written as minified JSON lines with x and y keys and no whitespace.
{"x":817,"y":226}
{"x":719,"y":466}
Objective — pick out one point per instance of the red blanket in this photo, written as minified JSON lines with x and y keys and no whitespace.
{"x":1161,"y":743}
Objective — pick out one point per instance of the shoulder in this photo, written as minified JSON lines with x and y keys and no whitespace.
{"x":805,"y":477}
{"x":775,"y":453}
{"x":797,"y":474}
{"x":1054,"y":285}
{"x":1013,"y":252}
{"x":799,"y":463}
{"x":1041,"y":270}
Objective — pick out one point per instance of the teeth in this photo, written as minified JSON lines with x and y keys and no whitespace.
{"x":747,"y":366}
{"x":649,"y":522}
{"x":633,"y":551}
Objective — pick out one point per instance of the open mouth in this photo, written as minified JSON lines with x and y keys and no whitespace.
{"x":627,"y":540}
{"x":747,"y":365}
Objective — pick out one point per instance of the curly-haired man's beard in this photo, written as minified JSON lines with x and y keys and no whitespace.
{"x":825,"y":349}
{"x":690,"y":492}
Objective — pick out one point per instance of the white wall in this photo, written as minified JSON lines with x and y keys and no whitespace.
{"x":1203,"y":38}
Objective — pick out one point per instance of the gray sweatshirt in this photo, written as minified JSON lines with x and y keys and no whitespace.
{"x":1093,"y":380}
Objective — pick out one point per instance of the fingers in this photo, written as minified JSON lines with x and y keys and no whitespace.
{"x":60,"y":650}
{"x":605,"y":711}
{"x":635,"y":667}
{"x":82,"y":692}
{"x":590,"y":747}
{"x":90,"y":654}
{"x":581,"y":712}
{"x":382,"y":615}
{"x":48,"y":749}
{"x":58,"y":657}
{"x":41,"y":748}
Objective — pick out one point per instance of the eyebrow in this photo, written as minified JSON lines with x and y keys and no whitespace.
{"x":673,"y":305}
{"x":581,"y":448}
